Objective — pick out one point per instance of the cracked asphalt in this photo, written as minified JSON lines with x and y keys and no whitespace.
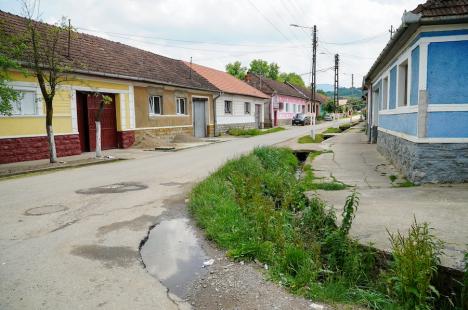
{"x":70,"y":239}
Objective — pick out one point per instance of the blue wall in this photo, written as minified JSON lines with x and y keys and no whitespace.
{"x":414,"y":76}
{"x":392,"y":97}
{"x":447,"y":72}
{"x":406,"y":123}
{"x":447,"y":124}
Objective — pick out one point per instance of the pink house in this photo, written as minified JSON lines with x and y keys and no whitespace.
{"x":284,"y":102}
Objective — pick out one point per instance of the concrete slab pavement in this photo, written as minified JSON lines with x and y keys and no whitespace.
{"x":385,"y":206}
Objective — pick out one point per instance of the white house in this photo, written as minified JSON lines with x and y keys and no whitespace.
{"x":238,"y":105}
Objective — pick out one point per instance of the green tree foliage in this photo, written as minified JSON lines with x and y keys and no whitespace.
{"x":260,"y":67}
{"x":292,"y":78}
{"x":329,"y":106}
{"x":9,"y":50}
{"x":236,"y":69}
{"x":273,"y":71}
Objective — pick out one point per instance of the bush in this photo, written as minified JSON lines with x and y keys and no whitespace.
{"x":415,"y":261}
{"x":308,"y":139}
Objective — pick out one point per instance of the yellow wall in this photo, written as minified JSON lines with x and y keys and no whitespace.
{"x":62,"y":122}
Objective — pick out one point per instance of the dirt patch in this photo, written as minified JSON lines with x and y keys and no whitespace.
{"x":185,"y":139}
{"x":109,"y":256}
{"x":113,"y":188}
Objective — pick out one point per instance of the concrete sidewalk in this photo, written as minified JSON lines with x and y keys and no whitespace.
{"x":384,"y":205}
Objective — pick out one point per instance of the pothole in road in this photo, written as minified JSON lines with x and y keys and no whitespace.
{"x":121,"y":187}
{"x":47,"y":209}
{"x":173,"y":254}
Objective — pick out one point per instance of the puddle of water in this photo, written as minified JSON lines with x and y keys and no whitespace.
{"x":173,"y":254}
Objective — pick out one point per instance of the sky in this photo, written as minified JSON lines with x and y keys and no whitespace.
{"x":217,"y":32}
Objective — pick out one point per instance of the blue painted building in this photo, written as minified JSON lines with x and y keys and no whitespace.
{"x":417,"y":94}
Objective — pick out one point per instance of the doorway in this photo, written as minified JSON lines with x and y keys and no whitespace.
{"x":275,"y":118}
{"x":199,"y":118}
{"x":87,"y":105}
{"x":258,"y":112}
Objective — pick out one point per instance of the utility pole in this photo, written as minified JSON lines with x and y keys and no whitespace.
{"x":335,"y":95}
{"x":392,"y":31}
{"x":314,"y":67}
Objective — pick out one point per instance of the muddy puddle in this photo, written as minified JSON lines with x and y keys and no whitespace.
{"x":174,"y":255}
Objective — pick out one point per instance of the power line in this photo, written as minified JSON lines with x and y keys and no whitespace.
{"x":269,"y":21}
{"x":362,"y":40}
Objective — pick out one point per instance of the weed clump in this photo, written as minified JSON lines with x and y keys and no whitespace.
{"x":252,"y":132}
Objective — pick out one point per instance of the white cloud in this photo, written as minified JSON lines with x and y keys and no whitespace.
{"x":242,"y":28}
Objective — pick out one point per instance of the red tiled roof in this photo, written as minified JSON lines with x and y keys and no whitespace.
{"x":226,"y":82}
{"x":101,"y":57}
{"x":269,"y":86}
{"x":434,"y":8}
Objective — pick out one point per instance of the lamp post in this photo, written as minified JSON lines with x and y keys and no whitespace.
{"x":313,"y":83}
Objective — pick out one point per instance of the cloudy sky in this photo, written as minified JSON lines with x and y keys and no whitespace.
{"x":216,"y":32}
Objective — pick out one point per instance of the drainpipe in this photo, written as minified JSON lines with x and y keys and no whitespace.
{"x":214,"y":112}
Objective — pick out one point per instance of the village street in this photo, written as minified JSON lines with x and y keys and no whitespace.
{"x":65,"y":243}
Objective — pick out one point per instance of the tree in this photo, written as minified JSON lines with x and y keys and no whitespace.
{"x":260,"y":67}
{"x":236,"y":69}
{"x":48,"y":58}
{"x":329,"y":106}
{"x":292,"y":78}
{"x":9,"y":51}
{"x":273,"y":71}
{"x":102,"y":100}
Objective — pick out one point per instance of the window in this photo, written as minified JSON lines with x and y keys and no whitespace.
{"x":384,"y":105}
{"x":26,"y":104}
{"x":287,"y":107}
{"x":247,"y":107}
{"x":155,"y":105}
{"x":228,"y":107}
{"x":181,"y":106}
{"x":403,"y":84}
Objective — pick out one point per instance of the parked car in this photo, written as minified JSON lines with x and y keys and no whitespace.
{"x":301,"y":119}
{"x":328,"y":117}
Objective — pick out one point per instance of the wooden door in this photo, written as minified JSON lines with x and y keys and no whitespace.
{"x":199,"y":118}
{"x":108,"y":123}
{"x":258,"y":113}
{"x":82,"y":117}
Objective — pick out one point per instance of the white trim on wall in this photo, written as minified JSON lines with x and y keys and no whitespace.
{"x":423,"y":140}
{"x":423,"y":48}
{"x":400,"y":110}
{"x":73,"y":110}
{"x":463,"y":107}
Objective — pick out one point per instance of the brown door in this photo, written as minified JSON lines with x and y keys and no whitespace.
{"x":275,"y":113}
{"x":82,"y":116}
{"x":108,"y":123}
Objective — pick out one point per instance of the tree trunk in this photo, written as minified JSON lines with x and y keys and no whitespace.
{"x":50,"y":133}
{"x":98,"y":139}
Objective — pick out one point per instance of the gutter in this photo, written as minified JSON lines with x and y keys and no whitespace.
{"x":214,"y":111}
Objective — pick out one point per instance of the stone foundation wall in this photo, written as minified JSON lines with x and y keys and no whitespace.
{"x":126,"y":139}
{"x":224,"y":128}
{"x":159,"y":136}
{"x":33,"y":148}
{"x":426,"y":162}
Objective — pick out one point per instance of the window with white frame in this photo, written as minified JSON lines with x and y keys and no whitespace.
{"x":181,"y":106}
{"x":228,"y":107}
{"x":26,"y":104}
{"x":155,"y":105}
{"x":403,"y":84}
{"x":247,"y":107}
{"x":384,"y":105}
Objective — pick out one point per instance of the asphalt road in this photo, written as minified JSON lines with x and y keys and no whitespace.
{"x":70,"y":239}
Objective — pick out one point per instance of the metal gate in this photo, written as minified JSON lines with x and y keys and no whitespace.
{"x":199,"y":118}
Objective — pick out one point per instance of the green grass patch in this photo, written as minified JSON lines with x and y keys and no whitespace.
{"x":254,"y":207}
{"x":392,"y":178}
{"x":333,"y":130}
{"x":406,"y":183}
{"x":308,"y":139}
{"x":253,"y":132}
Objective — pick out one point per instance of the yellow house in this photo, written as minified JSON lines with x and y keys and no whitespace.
{"x":153,"y":98}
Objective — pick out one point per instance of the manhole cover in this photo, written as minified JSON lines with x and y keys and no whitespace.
{"x":113,"y":188}
{"x":47,"y":209}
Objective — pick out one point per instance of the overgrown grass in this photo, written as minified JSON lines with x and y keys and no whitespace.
{"x":255,"y":208}
{"x":308,"y":139}
{"x":252,"y":132}
{"x":311,"y":182}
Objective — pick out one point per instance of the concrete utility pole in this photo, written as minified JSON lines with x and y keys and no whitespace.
{"x":314,"y":66}
{"x":335,"y":95}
